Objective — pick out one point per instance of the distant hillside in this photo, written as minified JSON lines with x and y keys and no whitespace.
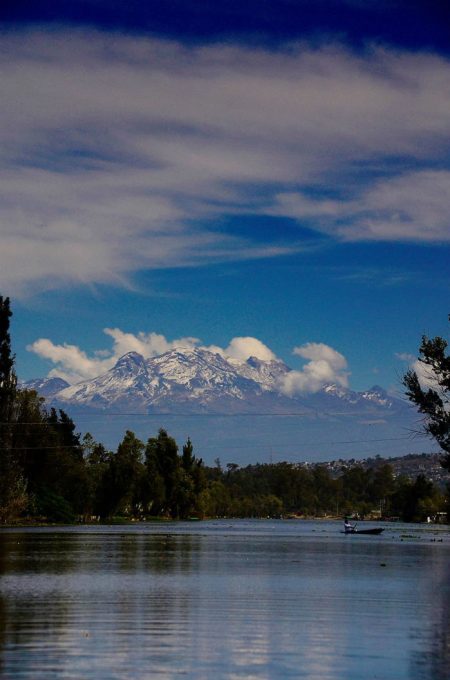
{"x":410,"y":466}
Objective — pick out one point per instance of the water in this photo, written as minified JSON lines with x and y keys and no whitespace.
{"x":224,"y":599}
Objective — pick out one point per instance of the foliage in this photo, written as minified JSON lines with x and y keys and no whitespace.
{"x":11,"y":481}
{"x":53,"y":507}
{"x":433,"y":399}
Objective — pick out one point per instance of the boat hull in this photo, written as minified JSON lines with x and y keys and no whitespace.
{"x":368,"y":532}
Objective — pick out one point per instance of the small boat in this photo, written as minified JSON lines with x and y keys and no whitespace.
{"x":371,"y":532}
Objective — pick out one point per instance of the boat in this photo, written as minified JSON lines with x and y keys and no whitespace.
{"x":370,"y":532}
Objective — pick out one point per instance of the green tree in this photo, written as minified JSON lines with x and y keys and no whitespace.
{"x":217,"y":500}
{"x":433,"y":399}
{"x":355,"y":483}
{"x":63,"y":468}
{"x":163,"y":468}
{"x":33,"y":442}
{"x":326,"y":490}
{"x":39,"y":452}
{"x":98,"y":461}
{"x":154,"y":491}
{"x":382,"y":487}
{"x":413,"y":501}
{"x":193,"y":481}
{"x":12,"y":483}
{"x":125,"y":476}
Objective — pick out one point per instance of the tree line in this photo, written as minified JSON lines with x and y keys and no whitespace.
{"x":48,"y":472}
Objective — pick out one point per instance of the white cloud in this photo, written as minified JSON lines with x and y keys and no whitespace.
{"x":325,"y":366}
{"x":427,"y":377}
{"x":318,"y":351}
{"x":116,"y":151}
{"x":147,"y":344}
{"x":404,"y":356}
{"x":74,"y":365}
{"x":242,"y":348}
{"x":413,"y":206}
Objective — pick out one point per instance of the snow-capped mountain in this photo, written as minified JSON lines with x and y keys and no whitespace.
{"x":193,"y":380}
{"x":46,"y":387}
{"x":200,"y":381}
{"x":170,"y":389}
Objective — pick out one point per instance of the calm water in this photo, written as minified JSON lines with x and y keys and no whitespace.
{"x":225,"y":599}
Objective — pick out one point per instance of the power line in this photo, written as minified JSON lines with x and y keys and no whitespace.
{"x":327,"y":443}
{"x":97,"y":415}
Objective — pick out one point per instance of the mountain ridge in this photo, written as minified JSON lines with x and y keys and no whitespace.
{"x":197,"y":380}
{"x":235,"y":409}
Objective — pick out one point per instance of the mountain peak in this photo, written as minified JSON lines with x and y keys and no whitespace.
{"x":131,"y":356}
{"x":198,"y":380}
{"x":254,"y":362}
{"x":378,"y":390}
{"x":45,"y":387}
{"x":130,"y":361}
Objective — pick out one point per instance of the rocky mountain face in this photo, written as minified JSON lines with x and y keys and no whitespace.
{"x":200,"y":381}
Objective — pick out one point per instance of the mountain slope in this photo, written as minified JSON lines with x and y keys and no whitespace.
{"x":46,"y":387}
{"x":193,"y":379}
{"x":200,"y":381}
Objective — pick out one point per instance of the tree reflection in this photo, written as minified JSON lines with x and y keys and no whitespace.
{"x":433,"y":663}
{"x":2,"y":635}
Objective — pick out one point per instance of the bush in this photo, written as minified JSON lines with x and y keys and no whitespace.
{"x":54,"y":508}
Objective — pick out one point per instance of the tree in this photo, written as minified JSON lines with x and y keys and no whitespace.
{"x":8,"y":381}
{"x":125,"y":476}
{"x":192,"y":481}
{"x":163,"y":471}
{"x":414,"y":501}
{"x":12,"y":486}
{"x":430,"y":391}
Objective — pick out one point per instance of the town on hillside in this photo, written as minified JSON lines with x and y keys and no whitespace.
{"x":409,"y":466}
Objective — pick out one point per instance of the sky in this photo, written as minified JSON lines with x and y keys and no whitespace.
{"x":260,"y":177}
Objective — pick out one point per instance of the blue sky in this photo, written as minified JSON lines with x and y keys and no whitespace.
{"x":186,"y":170}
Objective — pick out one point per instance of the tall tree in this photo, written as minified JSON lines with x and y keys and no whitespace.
{"x":163,"y":465}
{"x":8,"y":381}
{"x":125,"y":476}
{"x":11,"y":482}
{"x":432,"y":393}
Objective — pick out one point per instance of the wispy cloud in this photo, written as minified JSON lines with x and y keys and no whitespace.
{"x":414,"y":206}
{"x":121,"y":153}
{"x":405,"y":356}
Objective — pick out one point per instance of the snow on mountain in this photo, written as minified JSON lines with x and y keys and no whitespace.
{"x":127,"y":383}
{"x":200,"y":381}
{"x":170,"y":388}
{"x":267,"y":374}
{"x":193,"y":378}
{"x":378,"y":396}
{"x":46,"y":387}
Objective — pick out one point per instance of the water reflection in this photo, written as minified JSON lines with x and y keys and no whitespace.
{"x":259,"y":601}
{"x":433,"y":662}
